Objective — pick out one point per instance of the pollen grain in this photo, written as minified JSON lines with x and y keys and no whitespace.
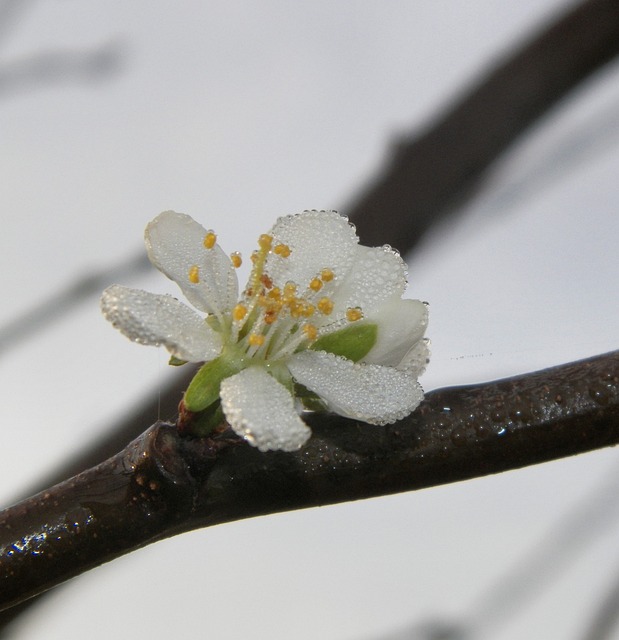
{"x":210,"y":239}
{"x":194,"y":274}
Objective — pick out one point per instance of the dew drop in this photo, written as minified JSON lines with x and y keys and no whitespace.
{"x":458,"y":437}
{"x":600,"y":393}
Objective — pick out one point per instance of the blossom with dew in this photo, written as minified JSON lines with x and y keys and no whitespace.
{"x":320,"y":324}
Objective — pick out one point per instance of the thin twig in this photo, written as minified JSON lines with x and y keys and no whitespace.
{"x":163,"y":484}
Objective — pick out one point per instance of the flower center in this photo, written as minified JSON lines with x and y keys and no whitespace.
{"x":272,"y":322}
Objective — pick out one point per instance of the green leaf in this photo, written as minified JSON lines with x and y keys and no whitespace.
{"x":203,"y":390}
{"x":352,"y":342}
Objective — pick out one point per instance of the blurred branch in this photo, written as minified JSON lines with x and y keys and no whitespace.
{"x":57,"y":66}
{"x":163,"y":484}
{"x":546,"y":560}
{"x":63,"y":301}
{"x":439,"y":169}
{"x":52,"y":66}
{"x":606,"y":619}
{"x":10,"y":11}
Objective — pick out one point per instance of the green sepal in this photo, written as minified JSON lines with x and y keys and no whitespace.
{"x":205,"y":421}
{"x":176,"y":362}
{"x":353,"y":342}
{"x":308,"y":398}
{"x":203,"y":390}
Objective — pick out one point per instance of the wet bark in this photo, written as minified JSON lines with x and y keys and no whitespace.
{"x":163,"y":484}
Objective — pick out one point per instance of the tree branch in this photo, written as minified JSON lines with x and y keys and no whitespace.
{"x":163,"y":484}
{"x":439,"y":169}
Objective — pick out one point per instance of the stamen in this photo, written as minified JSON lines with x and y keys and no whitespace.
{"x":254,"y":257}
{"x":352,"y":315}
{"x":256,"y":340}
{"x":194,"y":274}
{"x":282,"y":250}
{"x":237,"y":261}
{"x":266,"y":281}
{"x":315,"y":284}
{"x":239,"y":312}
{"x":308,"y":310}
{"x":325,"y":306}
{"x":210,"y":239}
{"x":327,"y":275}
{"x":290,"y":291}
{"x":310,"y":331}
{"x":265,"y":241}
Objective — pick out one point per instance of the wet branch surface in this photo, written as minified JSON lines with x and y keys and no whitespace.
{"x":163,"y":484}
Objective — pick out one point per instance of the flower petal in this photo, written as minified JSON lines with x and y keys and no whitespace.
{"x":377,"y":274}
{"x":416,"y":359}
{"x":261,"y":410}
{"x":317,"y":240}
{"x":153,"y":319}
{"x":401,"y":324}
{"x":367,"y":392}
{"x":175,"y":244}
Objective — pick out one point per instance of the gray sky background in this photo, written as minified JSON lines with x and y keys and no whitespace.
{"x":236,"y":113}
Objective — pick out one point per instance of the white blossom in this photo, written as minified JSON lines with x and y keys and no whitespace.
{"x":321,"y":322}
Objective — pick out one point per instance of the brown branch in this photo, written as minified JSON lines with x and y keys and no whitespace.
{"x":442,"y":166}
{"x":163,"y":484}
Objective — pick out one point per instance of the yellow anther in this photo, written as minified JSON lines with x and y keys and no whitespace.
{"x":296,"y":308}
{"x":275,"y":293}
{"x":315,"y":284}
{"x":270,"y":316}
{"x":290,"y":291}
{"x":325,"y":306}
{"x":254,"y":257}
{"x":210,"y":239}
{"x":265,"y":241}
{"x":310,"y":331}
{"x":308,"y":310}
{"x":194,"y":274}
{"x":282,"y":250}
{"x":239,"y":312}
{"x":327,"y":275}
{"x":352,"y":315}
{"x":237,"y":261}
{"x":256,"y":340}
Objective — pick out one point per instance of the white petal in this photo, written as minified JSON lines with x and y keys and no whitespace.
{"x":175,"y":244}
{"x":401,"y":325}
{"x":367,"y":392}
{"x":317,"y":240}
{"x":377,"y":274}
{"x":152,"y":319}
{"x":261,"y":410}
{"x":416,"y":359}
